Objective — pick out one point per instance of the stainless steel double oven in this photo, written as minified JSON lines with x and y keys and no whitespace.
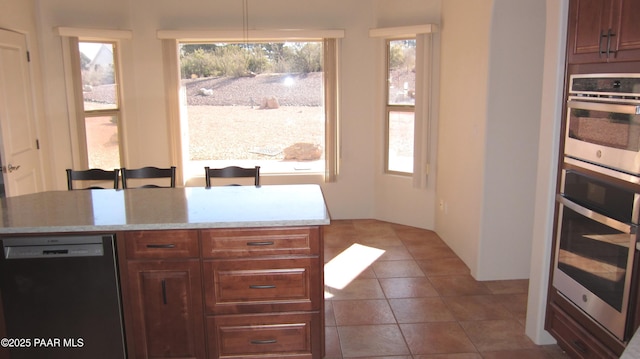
{"x":599,"y":202}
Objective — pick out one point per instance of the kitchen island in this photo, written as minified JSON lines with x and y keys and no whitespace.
{"x":239,"y":269}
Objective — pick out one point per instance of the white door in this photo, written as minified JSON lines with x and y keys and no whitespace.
{"x":21,"y":170}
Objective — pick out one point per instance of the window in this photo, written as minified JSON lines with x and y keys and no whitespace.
{"x":253,"y":103}
{"x":407,"y":103}
{"x":100,"y":112}
{"x":400,"y":105}
{"x":92,"y":69}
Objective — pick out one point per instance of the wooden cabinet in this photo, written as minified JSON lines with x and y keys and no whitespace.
{"x":603,"y":36}
{"x":574,"y":338}
{"x":294,"y":335}
{"x":259,"y":285}
{"x":226,"y":293}
{"x":603,"y":31}
{"x":248,"y":243}
{"x":174,"y":244}
{"x":264,"y":293}
{"x":165,"y":289}
{"x":166,"y":301}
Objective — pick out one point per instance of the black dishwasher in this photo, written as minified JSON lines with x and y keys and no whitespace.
{"x":61,"y":298}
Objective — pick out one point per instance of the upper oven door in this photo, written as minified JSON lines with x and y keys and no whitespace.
{"x":607,"y":134}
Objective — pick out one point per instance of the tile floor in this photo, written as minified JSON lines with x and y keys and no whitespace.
{"x":393,"y":291}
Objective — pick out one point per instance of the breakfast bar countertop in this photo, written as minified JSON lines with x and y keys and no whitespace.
{"x":164,"y":208}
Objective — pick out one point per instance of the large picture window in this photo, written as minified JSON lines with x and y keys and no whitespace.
{"x":253,"y":103}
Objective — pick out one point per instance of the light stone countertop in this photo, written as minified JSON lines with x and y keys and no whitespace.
{"x":164,"y":208}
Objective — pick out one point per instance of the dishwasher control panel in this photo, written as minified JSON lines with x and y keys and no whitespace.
{"x":52,"y":247}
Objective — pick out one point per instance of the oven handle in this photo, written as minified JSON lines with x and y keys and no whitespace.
{"x":605,"y":107}
{"x":609,"y":222}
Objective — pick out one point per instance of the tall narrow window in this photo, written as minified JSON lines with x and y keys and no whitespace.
{"x":255,"y":103}
{"x":400,"y":105}
{"x":98,"y":127}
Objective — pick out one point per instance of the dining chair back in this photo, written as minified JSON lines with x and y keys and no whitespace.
{"x":148,"y":173}
{"x":93,"y":175}
{"x":232,"y":172}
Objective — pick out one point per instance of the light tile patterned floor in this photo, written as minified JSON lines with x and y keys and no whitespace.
{"x":400,"y":292}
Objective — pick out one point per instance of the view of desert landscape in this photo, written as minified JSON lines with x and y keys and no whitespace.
{"x":227,"y":117}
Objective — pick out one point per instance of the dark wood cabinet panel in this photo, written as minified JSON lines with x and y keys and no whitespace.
{"x":225,"y":243}
{"x":254,"y":336}
{"x":162,"y":244}
{"x":261,"y":285}
{"x":166,"y":300}
{"x":573,"y":338}
{"x":587,"y":19}
{"x":628,"y":46}
{"x":603,"y":31}
{"x":258,"y":290}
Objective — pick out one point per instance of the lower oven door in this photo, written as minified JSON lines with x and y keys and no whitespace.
{"x":593,"y":264}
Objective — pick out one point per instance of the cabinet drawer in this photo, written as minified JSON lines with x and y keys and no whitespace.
{"x":291,"y":335}
{"x":573,"y":338}
{"x":162,"y":244}
{"x":242,"y":286}
{"x":225,"y":243}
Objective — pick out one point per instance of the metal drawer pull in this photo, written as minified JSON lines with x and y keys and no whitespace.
{"x":267,"y":341}
{"x":164,"y":292}
{"x":580,"y":346}
{"x":265,"y":243}
{"x":609,"y":35}
{"x":161,"y":245}
{"x":269,"y":286}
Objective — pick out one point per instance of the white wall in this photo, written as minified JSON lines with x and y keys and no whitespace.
{"x":355,"y":195}
{"x":465,"y":44}
{"x":519,"y":152}
{"x":489,"y":118}
{"x":396,"y":198}
{"x":513,"y":119}
{"x":550,"y":119}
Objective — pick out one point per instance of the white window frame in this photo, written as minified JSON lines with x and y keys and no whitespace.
{"x":330,"y":38}
{"x":422,"y":121}
{"x":71,"y":59}
{"x":389,"y":108}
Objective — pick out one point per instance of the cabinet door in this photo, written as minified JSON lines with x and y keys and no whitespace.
{"x":628,"y":31}
{"x":589,"y":23}
{"x":167,"y":307}
{"x":603,"y":31}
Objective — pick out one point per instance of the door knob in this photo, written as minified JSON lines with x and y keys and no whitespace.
{"x":11,"y":168}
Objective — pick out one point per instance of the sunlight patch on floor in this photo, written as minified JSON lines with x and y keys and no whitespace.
{"x":346,"y":266}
